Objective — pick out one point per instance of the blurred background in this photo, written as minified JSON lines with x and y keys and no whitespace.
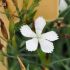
{"x":49,"y":9}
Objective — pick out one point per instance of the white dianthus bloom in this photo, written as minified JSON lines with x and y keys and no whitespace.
{"x":45,"y":40}
{"x":62,"y":5}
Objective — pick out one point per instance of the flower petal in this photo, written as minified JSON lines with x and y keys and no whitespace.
{"x":26,"y":31}
{"x":31,"y":45}
{"x":46,"y":46}
{"x":39,"y":25}
{"x":63,"y":5}
{"x":51,"y":36}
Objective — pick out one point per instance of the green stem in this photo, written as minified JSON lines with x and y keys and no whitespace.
{"x":4,"y":54}
{"x":59,"y":61}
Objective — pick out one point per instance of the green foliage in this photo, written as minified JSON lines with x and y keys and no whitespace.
{"x":58,"y":60}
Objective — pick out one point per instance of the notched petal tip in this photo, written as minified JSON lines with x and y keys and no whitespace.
{"x":51,"y":36}
{"x":46,"y":46}
{"x":40,"y":23}
{"x":55,"y":35}
{"x":49,"y":51}
{"x":26,"y":31}
{"x":40,"y":20}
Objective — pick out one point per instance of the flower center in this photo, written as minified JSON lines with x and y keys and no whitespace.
{"x":38,"y":36}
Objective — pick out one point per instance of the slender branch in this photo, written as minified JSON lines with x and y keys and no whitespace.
{"x":21,"y":64}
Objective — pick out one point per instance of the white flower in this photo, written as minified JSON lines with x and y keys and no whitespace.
{"x":63,"y":5}
{"x":45,"y":40}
